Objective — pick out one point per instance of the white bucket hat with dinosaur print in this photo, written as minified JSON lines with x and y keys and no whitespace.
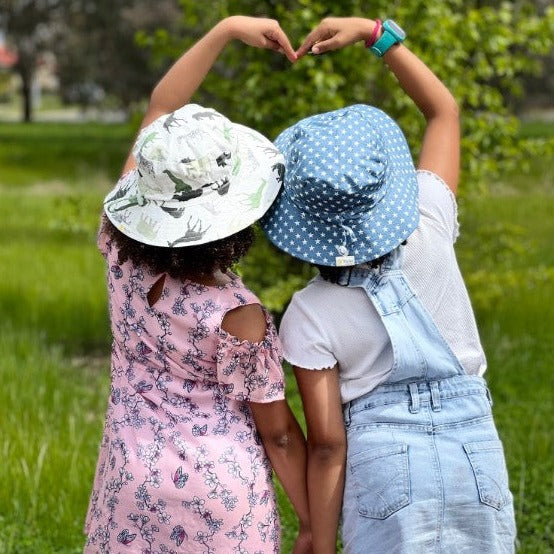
{"x":199,"y":178}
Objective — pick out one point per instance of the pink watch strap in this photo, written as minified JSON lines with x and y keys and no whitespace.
{"x":373,"y":38}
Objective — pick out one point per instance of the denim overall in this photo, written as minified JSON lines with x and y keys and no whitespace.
{"x":425,"y":468}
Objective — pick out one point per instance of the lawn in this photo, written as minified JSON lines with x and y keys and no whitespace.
{"x":55,"y":343}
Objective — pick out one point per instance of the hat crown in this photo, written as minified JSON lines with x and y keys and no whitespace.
{"x":335,"y":167}
{"x":338,"y":162}
{"x":186,"y":152}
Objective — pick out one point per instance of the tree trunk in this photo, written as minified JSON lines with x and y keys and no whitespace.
{"x":26,"y":92}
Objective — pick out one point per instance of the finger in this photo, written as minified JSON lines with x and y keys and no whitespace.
{"x":309,"y":41}
{"x":281,"y":38}
{"x":273,"y":45}
{"x":323,"y":46}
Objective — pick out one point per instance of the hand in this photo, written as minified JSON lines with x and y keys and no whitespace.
{"x":336,"y":32}
{"x":261,"y":33}
{"x":303,"y":542}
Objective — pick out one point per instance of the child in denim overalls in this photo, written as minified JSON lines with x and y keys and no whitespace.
{"x":398,"y":414}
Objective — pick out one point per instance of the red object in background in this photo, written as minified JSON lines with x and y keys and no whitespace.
{"x":8,"y":58}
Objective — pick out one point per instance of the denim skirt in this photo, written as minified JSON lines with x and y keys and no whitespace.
{"x":426,"y":471}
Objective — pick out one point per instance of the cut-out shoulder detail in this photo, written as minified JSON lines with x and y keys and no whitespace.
{"x":246,"y":323}
{"x":156,"y":291}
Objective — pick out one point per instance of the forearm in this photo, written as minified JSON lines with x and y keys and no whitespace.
{"x":325,"y":491}
{"x":183,"y":79}
{"x":418,"y":81}
{"x":440,"y":148}
{"x":287,"y":454}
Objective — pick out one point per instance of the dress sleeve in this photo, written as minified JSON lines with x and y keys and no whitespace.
{"x":437,"y":202}
{"x":251,"y":371}
{"x":304,"y":343}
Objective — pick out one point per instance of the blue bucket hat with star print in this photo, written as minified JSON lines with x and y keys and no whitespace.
{"x":350,"y":191}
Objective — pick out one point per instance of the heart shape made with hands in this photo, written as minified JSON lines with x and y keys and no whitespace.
{"x":331,"y":33}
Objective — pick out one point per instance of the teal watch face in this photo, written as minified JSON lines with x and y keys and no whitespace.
{"x":395,"y":29}
{"x":392,"y":34}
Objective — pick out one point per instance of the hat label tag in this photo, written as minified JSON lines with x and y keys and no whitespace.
{"x":342,"y":261}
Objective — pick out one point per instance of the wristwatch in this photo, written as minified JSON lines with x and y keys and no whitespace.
{"x":392,"y":34}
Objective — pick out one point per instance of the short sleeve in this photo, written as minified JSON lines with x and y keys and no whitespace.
{"x":436,"y":201}
{"x":304,"y":342}
{"x":251,"y":371}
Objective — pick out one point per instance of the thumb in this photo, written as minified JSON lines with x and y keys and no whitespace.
{"x":326,"y":45}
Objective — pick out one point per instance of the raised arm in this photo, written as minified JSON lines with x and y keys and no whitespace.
{"x":177,"y":86}
{"x":440,"y":150}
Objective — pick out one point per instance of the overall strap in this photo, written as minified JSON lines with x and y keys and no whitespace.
{"x":419,"y":350}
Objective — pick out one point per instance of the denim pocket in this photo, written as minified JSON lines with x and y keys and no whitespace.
{"x":489,"y":467}
{"x":381,"y":479}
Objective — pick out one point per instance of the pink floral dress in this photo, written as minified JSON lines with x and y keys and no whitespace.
{"x":181,"y":467}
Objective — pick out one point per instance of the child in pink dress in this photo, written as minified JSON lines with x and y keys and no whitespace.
{"x":197,"y":415}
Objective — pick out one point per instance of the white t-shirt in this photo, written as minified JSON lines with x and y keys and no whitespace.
{"x":327,"y":324}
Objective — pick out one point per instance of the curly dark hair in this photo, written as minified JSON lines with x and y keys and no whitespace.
{"x":202,"y":259}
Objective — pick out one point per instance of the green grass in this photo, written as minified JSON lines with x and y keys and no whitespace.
{"x":61,"y":153}
{"x":54,"y":335}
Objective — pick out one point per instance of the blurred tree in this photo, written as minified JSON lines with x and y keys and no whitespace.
{"x":480,"y":49}
{"x":30,"y":26}
{"x":93,"y":42}
{"x":98,"y":52}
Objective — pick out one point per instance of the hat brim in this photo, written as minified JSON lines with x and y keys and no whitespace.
{"x":173,"y":225}
{"x":372,"y":235}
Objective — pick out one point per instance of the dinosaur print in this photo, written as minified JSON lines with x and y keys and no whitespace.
{"x":194,"y":232}
{"x":222,"y":160}
{"x":183,"y":191}
{"x":227,"y":132}
{"x":269,"y":151}
{"x":205,"y":115}
{"x":149,"y":138}
{"x":254,"y":200}
{"x":118,"y":194}
{"x":221,"y":186}
{"x":172,"y":121}
{"x":144,"y":163}
{"x":236,"y":167}
{"x":280,"y":169}
{"x":180,"y":185}
{"x":136,"y":200}
{"x":173,"y":212}
{"x":147,"y":227}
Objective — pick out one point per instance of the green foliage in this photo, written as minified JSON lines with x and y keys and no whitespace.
{"x":273,"y":275}
{"x":479,"y":51}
